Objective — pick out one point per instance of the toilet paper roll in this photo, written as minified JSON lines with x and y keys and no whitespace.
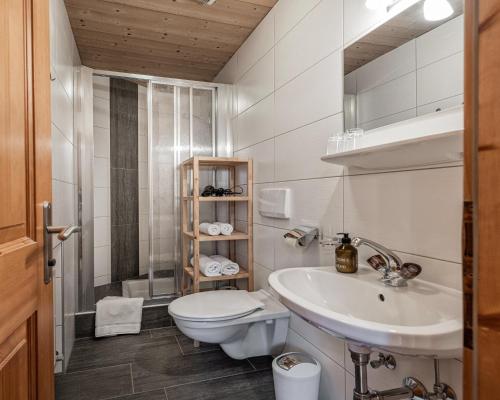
{"x":292,"y":242}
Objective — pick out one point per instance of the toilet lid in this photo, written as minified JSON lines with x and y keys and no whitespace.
{"x":214,"y":306}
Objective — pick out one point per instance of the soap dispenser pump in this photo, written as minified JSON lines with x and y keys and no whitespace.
{"x":346,"y":256}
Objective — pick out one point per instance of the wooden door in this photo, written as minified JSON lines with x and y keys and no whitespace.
{"x":26,"y":321}
{"x":482,"y":191}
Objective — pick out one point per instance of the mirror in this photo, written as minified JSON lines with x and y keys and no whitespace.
{"x":407,"y":67}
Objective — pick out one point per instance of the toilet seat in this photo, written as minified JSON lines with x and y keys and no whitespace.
{"x":214,"y":306}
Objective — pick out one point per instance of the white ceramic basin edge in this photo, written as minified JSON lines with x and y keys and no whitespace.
{"x":422,"y":319}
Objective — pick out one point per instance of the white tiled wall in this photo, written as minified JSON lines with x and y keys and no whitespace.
{"x":64,"y":59}
{"x":285,"y":130}
{"x":102,"y":185}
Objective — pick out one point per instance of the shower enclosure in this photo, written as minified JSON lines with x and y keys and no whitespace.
{"x":143,"y":128}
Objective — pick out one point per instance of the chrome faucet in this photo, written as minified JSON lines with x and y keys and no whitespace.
{"x":395,"y":272}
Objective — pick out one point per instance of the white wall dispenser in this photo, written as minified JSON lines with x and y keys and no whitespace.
{"x":274,"y":203}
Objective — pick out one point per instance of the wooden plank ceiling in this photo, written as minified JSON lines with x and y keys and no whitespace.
{"x":173,"y":38}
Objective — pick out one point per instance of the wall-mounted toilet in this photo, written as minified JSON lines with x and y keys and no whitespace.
{"x":245,"y":324}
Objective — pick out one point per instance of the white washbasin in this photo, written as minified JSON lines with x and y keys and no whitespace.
{"x":422,"y":319}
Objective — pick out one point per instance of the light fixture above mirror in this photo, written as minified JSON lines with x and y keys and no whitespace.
{"x":434,"y":10}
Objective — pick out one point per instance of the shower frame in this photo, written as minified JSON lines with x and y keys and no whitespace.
{"x":177,"y":84}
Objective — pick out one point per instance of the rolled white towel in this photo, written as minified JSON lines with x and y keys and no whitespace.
{"x":228,"y":267}
{"x":210,"y":229}
{"x":208,"y":267}
{"x":225,"y":228}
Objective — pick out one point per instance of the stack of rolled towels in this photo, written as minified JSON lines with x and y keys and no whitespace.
{"x":217,"y":228}
{"x":217,"y":265}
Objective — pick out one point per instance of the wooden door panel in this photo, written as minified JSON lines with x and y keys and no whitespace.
{"x":26,"y":320}
{"x":14,"y":118}
{"x":16,"y":364}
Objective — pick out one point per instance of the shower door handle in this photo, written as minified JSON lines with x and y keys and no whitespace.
{"x":63,"y":233}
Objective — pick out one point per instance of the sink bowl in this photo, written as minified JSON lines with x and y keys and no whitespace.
{"x":423,"y":319}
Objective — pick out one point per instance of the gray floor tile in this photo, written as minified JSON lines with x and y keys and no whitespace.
{"x":154,"y":395}
{"x":102,"y":352}
{"x":249,"y":386}
{"x":187,"y":346}
{"x":160,"y":332}
{"x":156,"y":368}
{"x":95,"y":384}
{"x":261,"y":363}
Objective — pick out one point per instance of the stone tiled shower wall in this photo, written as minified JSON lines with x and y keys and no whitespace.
{"x":64,"y":59}
{"x":289,"y":82}
{"x":124,"y":180}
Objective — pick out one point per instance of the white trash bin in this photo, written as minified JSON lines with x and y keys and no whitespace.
{"x":296,"y":377}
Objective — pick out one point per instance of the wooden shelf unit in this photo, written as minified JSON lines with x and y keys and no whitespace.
{"x":190,"y":171}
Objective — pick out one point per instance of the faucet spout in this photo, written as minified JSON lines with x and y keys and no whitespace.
{"x":395,"y":272}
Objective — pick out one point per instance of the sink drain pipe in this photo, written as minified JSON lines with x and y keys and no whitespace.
{"x":412,"y":387}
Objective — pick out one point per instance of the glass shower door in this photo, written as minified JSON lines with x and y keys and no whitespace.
{"x":181,"y":124}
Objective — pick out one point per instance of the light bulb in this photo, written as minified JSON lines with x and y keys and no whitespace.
{"x":435,"y":10}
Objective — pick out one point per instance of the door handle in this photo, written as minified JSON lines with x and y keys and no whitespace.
{"x":63,"y":233}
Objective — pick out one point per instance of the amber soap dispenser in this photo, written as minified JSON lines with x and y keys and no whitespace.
{"x":346,"y":256}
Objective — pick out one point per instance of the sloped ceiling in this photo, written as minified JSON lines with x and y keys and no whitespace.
{"x":173,"y":38}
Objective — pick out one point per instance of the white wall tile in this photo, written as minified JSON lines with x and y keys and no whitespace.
{"x":261,"y":275}
{"x":288,"y":13}
{"x":442,"y":79}
{"x":58,"y":300}
{"x":358,"y":19}
{"x":256,"y":124}
{"x":102,"y":266}
{"x":101,"y":112}
{"x":390,"y":119}
{"x":61,"y":110}
{"x":441,"y":105}
{"x":443,"y":41}
{"x":101,"y":87}
{"x":101,"y":142}
{"x":416,"y":212}
{"x":389,"y":98}
{"x":257,"y":83}
{"x":314,"y":38}
{"x":62,"y":156}
{"x":101,"y":202}
{"x":264,"y":245}
{"x":388,"y":67}
{"x":263,"y":160}
{"x":101,"y":172}
{"x":330,"y":345}
{"x":323,"y":86}
{"x":102,"y":229}
{"x":63,"y":200}
{"x":258,"y":43}
{"x":332,"y":382}
{"x":228,"y":74}
{"x":298,"y":152}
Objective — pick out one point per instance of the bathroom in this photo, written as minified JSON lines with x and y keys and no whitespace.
{"x":288,"y":123}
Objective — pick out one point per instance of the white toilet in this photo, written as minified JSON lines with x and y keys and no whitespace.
{"x":245,"y":324}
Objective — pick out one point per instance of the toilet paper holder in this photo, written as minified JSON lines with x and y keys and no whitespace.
{"x":301,"y":236}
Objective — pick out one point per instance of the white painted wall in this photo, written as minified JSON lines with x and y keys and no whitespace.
{"x":288,"y":77}
{"x":64,"y":59}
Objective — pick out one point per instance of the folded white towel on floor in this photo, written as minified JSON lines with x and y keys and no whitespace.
{"x":228,"y":267}
{"x":118,"y":316}
{"x":225,"y":228}
{"x":208,"y":267}
{"x":210,"y":229}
